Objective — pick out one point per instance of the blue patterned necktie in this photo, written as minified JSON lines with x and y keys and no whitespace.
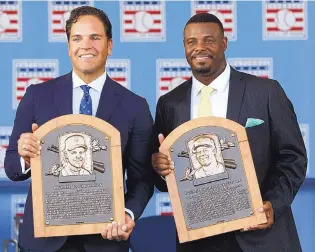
{"x":86,"y":102}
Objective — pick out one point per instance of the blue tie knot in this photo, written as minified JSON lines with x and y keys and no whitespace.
{"x":86,"y":89}
{"x":86,"y":102}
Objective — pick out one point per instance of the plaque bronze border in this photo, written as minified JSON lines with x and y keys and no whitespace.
{"x":40,"y":229}
{"x":184,"y":234}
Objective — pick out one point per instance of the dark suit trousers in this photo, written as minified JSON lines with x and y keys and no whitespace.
{"x":73,"y":244}
{"x":220,"y":243}
{"x":92,"y":243}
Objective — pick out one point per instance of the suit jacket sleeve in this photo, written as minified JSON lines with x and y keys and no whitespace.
{"x":22,"y":124}
{"x":139,"y":181}
{"x":288,"y":147}
{"x":159,"y":127}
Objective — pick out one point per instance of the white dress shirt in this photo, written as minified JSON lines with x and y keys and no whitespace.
{"x":77,"y":94}
{"x":95,"y":92}
{"x":218,"y":98}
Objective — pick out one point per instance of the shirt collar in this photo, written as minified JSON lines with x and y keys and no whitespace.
{"x":97,"y":84}
{"x":219,"y":84}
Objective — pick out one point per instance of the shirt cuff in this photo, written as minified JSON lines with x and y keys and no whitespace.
{"x":23,"y":166}
{"x":130,"y":213}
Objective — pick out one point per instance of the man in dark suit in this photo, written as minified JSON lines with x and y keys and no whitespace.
{"x":277,"y":146}
{"x":86,"y":90}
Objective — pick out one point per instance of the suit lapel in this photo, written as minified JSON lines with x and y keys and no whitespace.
{"x":109,"y":99}
{"x":182,"y":113}
{"x":63,"y":94}
{"x":236,"y":94}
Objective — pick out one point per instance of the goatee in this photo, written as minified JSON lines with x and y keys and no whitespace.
{"x":204,"y":71}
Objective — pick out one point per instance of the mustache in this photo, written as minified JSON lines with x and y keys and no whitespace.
{"x":209,"y":55}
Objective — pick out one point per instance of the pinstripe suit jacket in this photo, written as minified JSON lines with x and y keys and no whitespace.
{"x":277,"y":148}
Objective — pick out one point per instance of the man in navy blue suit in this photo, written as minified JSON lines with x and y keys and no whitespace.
{"x":276,"y":142}
{"x":86,"y":90}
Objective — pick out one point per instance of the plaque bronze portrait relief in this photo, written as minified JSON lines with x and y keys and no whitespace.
{"x":213,"y":188}
{"x":75,"y":153}
{"x":77,"y":181}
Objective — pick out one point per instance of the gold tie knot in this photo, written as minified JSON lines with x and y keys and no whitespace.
{"x":205,"y":108}
{"x":206,"y":91}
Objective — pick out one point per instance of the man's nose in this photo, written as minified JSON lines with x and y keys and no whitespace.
{"x":200,"y":46}
{"x":87,"y":43}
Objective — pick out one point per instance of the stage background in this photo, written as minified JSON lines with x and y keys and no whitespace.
{"x":149,"y":62}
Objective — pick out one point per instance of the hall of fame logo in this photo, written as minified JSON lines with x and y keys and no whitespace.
{"x":17,"y":213}
{"x":58,"y":14}
{"x":261,"y":67}
{"x":142,"y":21}
{"x":284,"y":20}
{"x":119,"y":71}
{"x":224,"y":10}
{"x":163,"y":204}
{"x":31,"y":71}
{"x":305,"y":134}
{"x":10,"y":21}
{"x":5,"y":133}
{"x":170,"y":74}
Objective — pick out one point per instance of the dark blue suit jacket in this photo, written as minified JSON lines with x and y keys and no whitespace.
{"x":277,"y":148}
{"x":118,"y":106}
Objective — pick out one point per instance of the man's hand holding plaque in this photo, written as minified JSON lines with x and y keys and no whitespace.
{"x":266,"y":208}
{"x":118,"y":232}
{"x":28,"y":146}
{"x":161,"y":163}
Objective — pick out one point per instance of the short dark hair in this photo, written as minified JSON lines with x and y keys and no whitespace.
{"x":205,"y":17}
{"x":88,"y":11}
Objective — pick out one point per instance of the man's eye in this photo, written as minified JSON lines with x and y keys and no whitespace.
{"x":210,"y":41}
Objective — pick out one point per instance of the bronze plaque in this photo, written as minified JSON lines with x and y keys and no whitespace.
{"x":213,"y":188}
{"x":79,"y":188}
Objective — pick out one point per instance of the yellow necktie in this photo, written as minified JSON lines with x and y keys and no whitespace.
{"x":205,"y":108}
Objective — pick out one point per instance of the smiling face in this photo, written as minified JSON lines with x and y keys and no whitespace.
{"x":89,"y":47}
{"x":203,"y":155}
{"x":76,"y":157}
{"x":75,"y":151}
{"x":205,"y":151}
{"x":204,"y":48}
